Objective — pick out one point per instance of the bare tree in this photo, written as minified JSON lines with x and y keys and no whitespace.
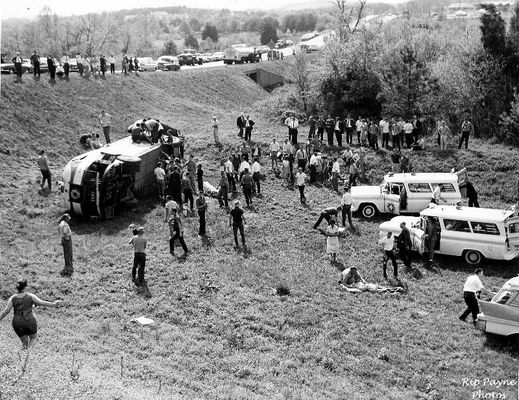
{"x":347,"y":18}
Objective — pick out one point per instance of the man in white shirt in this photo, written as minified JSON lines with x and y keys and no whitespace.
{"x":66,"y":241}
{"x":65,"y":62}
{"x":300,"y":182}
{"x":160,"y":176}
{"x":301,"y":158}
{"x":314,"y":162}
{"x":389,"y":243}
{"x":243,"y":166}
{"x":385,"y":129}
{"x":105,"y":119}
{"x":170,"y":206}
{"x":229,"y":170}
{"x":346,"y":202}
{"x":336,"y":171}
{"x":472,"y":286}
{"x":256,"y":173}
{"x":436,"y":195}
{"x":111,"y":61}
{"x":408,"y":132}
{"x":292,"y":124}
{"x":274,"y":149}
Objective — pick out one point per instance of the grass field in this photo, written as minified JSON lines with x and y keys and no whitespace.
{"x":221,"y":331}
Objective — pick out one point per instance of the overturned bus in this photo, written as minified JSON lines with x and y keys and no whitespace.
{"x":96,"y":182}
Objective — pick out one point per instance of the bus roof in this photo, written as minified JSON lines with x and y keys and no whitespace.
{"x":467,"y":213}
{"x":125,"y":146}
{"x":426,"y":177}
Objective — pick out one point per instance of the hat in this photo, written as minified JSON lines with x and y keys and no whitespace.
{"x":140,"y":229}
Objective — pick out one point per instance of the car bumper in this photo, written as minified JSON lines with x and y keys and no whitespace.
{"x":481,"y":325}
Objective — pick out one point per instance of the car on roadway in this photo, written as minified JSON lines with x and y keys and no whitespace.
{"x":168,"y":63}
{"x":406,"y":193}
{"x":147,"y":64}
{"x":186,"y":59}
{"x":500,"y":315}
{"x":468,"y":232}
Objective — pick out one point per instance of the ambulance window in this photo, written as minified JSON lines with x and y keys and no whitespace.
{"x":456,"y":225}
{"x":514,"y":228}
{"x":504,"y":296}
{"x":447,"y":188}
{"x":515,"y":300}
{"x":484,"y":228}
{"x":419,"y":188}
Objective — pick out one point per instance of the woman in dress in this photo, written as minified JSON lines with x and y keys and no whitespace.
{"x":332,"y":239}
{"x":24,"y":323}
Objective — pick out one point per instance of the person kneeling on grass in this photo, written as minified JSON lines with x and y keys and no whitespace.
{"x":351,"y":276}
{"x":24,"y":323}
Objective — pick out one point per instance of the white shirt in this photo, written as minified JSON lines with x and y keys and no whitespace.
{"x":300,"y":154}
{"x":384,"y":125}
{"x":300,"y":178}
{"x":274,"y":146}
{"x":65,"y":59}
{"x":389,"y":243}
{"x":228,"y":167}
{"x":160,"y":174}
{"x":408,"y":128}
{"x":256,"y":167}
{"x":472,"y":284}
{"x":287,"y":147}
{"x":292,"y":123}
{"x":105,"y":119}
{"x":171,"y":205}
{"x":336,"y":167}
{"x":358,"y":125}
{"x":436,"y":193}
{"x":111,"y":60}
{"x":64,"y":230}
{"x":346,"y":199}
{"x":243,"y":166}
{"x":314,"y":160}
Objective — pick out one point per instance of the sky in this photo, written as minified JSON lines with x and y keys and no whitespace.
{"x":31,"y":8}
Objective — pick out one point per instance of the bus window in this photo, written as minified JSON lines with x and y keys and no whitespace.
{"x":447,"y":188}
{"x":419,"y":188}
{"x":484,"y":228}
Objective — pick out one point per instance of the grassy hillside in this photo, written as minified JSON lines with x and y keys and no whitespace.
{"x":221,"y":331}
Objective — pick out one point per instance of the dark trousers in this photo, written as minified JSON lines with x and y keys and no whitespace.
{"x":200,"y":185}
{"x":201,"y":229}
{"x":353,"y":180}
{"x":112,"y":68}
{"x":180,"y":240}
{"x":45,"y":173}
{"x":320,"y":133}
{"x":106,"y":132}
{"x":408,"y":140}
{"x":433,"y":239}
{"x":235,"y":228}
{"x":67,"y":253}
{"x":232,"y":182}
{"x":18,"y":69}
{"x":36,"y":69}
{"x":385,"y":139}
{"x":395,"y":141}
{"x":66,"y":68}
{"x":188,"y":196}
{"x":248,"y":133}
{"x":292,"y":135}
{"x":464,"y":137}
{"x":222,"y":197}
{"x":321,"y":217}
{"x":473,"y":201}
{"x":329,"y":136}
{"x":301,"y":163}
{"x":302,"y":197}
{"x":313,"y":173}
{"x":374,"y":141}
{"x":256,"y":180}
{"x":472,"y":306}
{"x":240,"y":133}
{"x":247,"y":192}
{"x":52,"y":71}
{"x":349,"y":135}
{"x":139,"y":262}
{"x":346,"y":211}
{"x":338,"y":136}
{"x":358,"y":137}
{"x":404,"y":256}
{"x":389,"y":255}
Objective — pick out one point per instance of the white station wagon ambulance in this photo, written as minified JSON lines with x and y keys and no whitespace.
{"x":472,"y":233}
{"x":407,"y":193}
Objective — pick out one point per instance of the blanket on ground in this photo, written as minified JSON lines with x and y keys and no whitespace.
{"x":373,"y":288}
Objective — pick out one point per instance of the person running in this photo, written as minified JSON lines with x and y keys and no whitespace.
{"x":24,"y":323}
{"x":332,"y":239}
{"x":139,"y":256}
{"x":201,"y":207}
{"x":300,"y":182}
{"x":472,"y":286}
{"x":43,"y":163}
{"x":176,"y":232}
{"x":66,"y":241}
{"x":389,"y":243}
{"x":237,"y":221}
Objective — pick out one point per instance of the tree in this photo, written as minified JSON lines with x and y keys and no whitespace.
{"x":191,"y":42}
{"x":211,"y":32}
{"x":184,"y":29}
{"x":170,"y":48}
{"x":493,"y":31}
{"x":195,"y":24}
{"x":268,"y":32}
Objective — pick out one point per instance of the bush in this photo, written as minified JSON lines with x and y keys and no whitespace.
{"x":509,"y":124}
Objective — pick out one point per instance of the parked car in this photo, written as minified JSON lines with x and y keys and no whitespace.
{"x":8,"y":67}
{"x":200,"y":59}
{"x":186,"y":59}
{"x":168,"y":63}
{"x":407,"y":193}
{"x":309,"y":36}
{"x":147,"y":64}
{"x":470,"y":232}
{"x":218,"y":56}
{"x":72,"y":65}
{"x":500,"y":315}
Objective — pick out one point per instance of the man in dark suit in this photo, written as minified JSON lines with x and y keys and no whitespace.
{"x":18,"y":61}
{"x":404,"y":245}
{"x":240,"y":123}
{"x":52,"y":67}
